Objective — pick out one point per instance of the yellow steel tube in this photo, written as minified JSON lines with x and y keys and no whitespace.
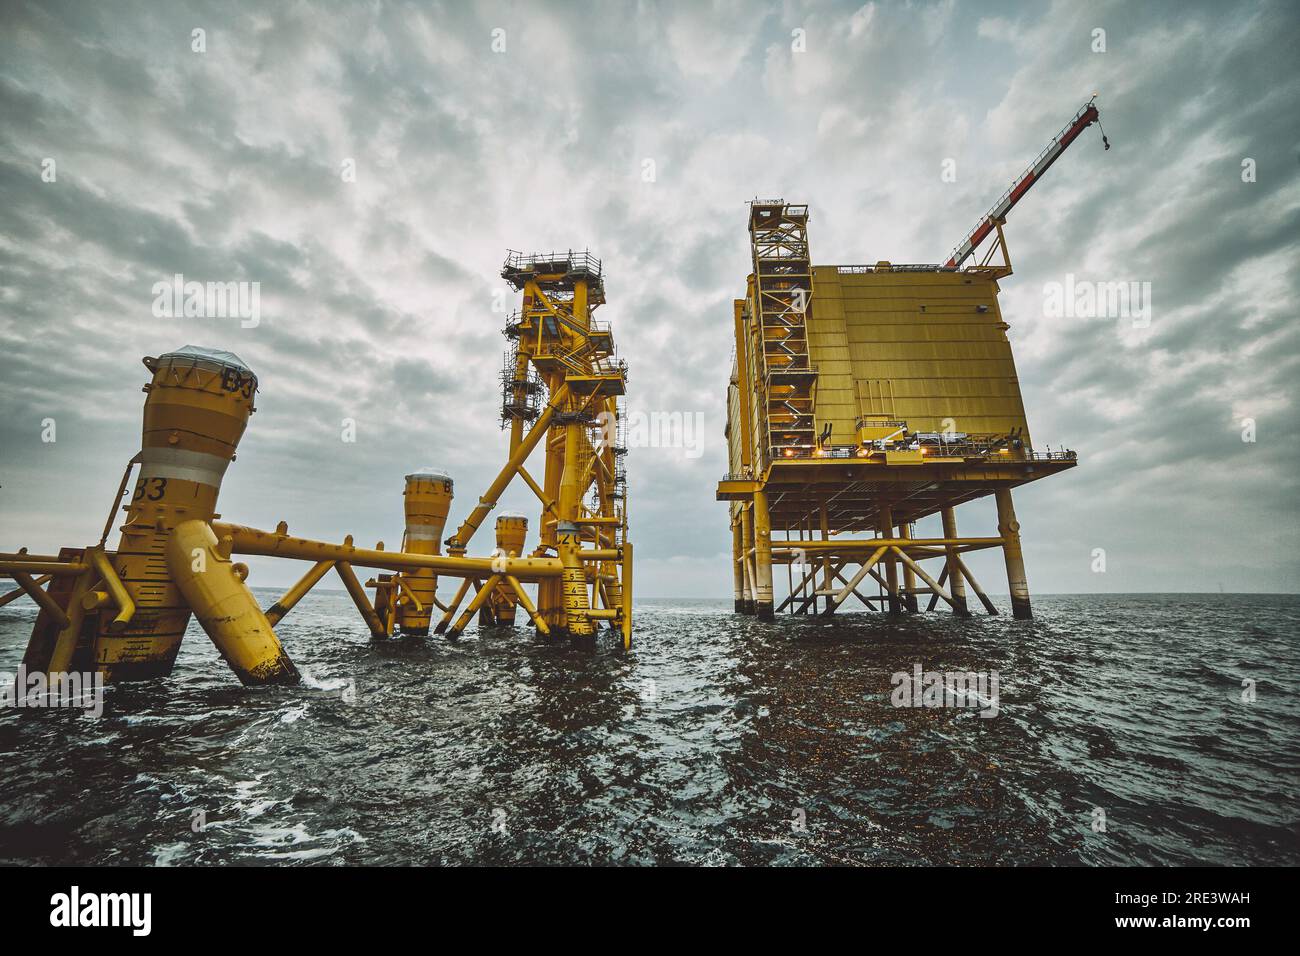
{"x":225,"y":607}
{"x":746,"y":556}
{"x":826,"y":561}
{"x":359,"y":598}
{"x":450,"y":611}
{"x":870,"y":544}
{"x":93,"y":600}
{"x":547,"y":504}
{"x":49,"y":566}
{"x":483,"y":594}
{"x":64,"y":646}
{"x":763,"y":557}
{"x":19,"y":591}
{"x":886,"y":522}
{"x":738,"y":566}
{"x":549,"y":601}
{"x":842,"y":595}
{"x":23,"y":555}
{"x":744,"y":397}
{"x":296,"y":593}
{"x":520,"y":455}
{"x":909,"y":576}
{"x":400,"y":581}
{"x":568,"y":538}
{"x":934,"y":585}
{"x":116,"y":589}
{"x":1012,"y":554}
{"x":975,"y":586}
{"x":955,"y":583}
{"x":41,"y":597}
{"x":527,"y":604}
{"x":253,"y":541}
{"x":627,"y":595}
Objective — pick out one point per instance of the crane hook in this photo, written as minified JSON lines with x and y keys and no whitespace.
{"x":1104,"y":141}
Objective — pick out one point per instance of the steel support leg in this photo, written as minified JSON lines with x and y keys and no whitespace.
{"x":1009,"y":528}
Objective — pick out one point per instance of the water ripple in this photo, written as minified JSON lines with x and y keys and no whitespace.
{"x":719,"y":740}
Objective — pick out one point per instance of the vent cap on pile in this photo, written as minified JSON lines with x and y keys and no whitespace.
{"x":430,"y":473}
{"x":220,"y":356}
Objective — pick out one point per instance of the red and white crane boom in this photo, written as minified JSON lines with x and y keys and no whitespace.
{"x":1082,"y":120}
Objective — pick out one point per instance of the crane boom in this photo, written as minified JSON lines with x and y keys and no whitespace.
{"x":1082,"y":120}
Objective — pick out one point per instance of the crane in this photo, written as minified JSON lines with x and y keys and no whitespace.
{"x":1086,"y":116}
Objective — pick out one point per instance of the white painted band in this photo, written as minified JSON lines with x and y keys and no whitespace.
{"x":431,"y":530}
{"x":410,"y":536}
{"x":183,"y":465}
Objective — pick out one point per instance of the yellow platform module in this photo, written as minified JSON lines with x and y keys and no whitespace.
{"x":864,"y":398}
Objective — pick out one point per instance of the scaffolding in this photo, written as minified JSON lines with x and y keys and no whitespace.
{"x":523,"y":393}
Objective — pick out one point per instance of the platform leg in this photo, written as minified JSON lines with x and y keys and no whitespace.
{"x":1009,"y":528}
{"x":956,"y":583}
{"x":762,"y":558}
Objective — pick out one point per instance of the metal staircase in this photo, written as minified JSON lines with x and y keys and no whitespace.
{"x":782,"y":299}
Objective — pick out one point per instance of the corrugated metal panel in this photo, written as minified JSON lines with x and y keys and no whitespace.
{"x":915,"y":346}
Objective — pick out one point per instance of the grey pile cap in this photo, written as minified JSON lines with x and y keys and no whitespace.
{"x":429,"y":474}
{"x":206,"y":358}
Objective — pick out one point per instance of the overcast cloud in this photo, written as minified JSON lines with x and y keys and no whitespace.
{"x":377,"y":295}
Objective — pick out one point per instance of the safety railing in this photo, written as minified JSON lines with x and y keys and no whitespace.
{"x":568,"y":262}
{"x":895,"y":267}
{"x":951,"y":450}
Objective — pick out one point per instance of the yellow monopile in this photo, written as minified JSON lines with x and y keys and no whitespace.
{"x":428,"y":497}
{"x":198,"y":405}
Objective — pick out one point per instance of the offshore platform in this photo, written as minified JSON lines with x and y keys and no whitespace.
{"x":864,"y":398}
{"x":123,"y":611}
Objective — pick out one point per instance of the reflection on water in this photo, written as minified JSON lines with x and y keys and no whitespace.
{"x":718,"y":740}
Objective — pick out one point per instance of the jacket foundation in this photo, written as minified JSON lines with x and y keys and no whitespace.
{"x":123,"y":612}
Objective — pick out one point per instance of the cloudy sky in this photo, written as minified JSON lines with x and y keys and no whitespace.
{"x":377,"y":294}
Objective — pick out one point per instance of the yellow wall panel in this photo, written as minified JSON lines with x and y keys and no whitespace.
{"x":914,"y":345}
